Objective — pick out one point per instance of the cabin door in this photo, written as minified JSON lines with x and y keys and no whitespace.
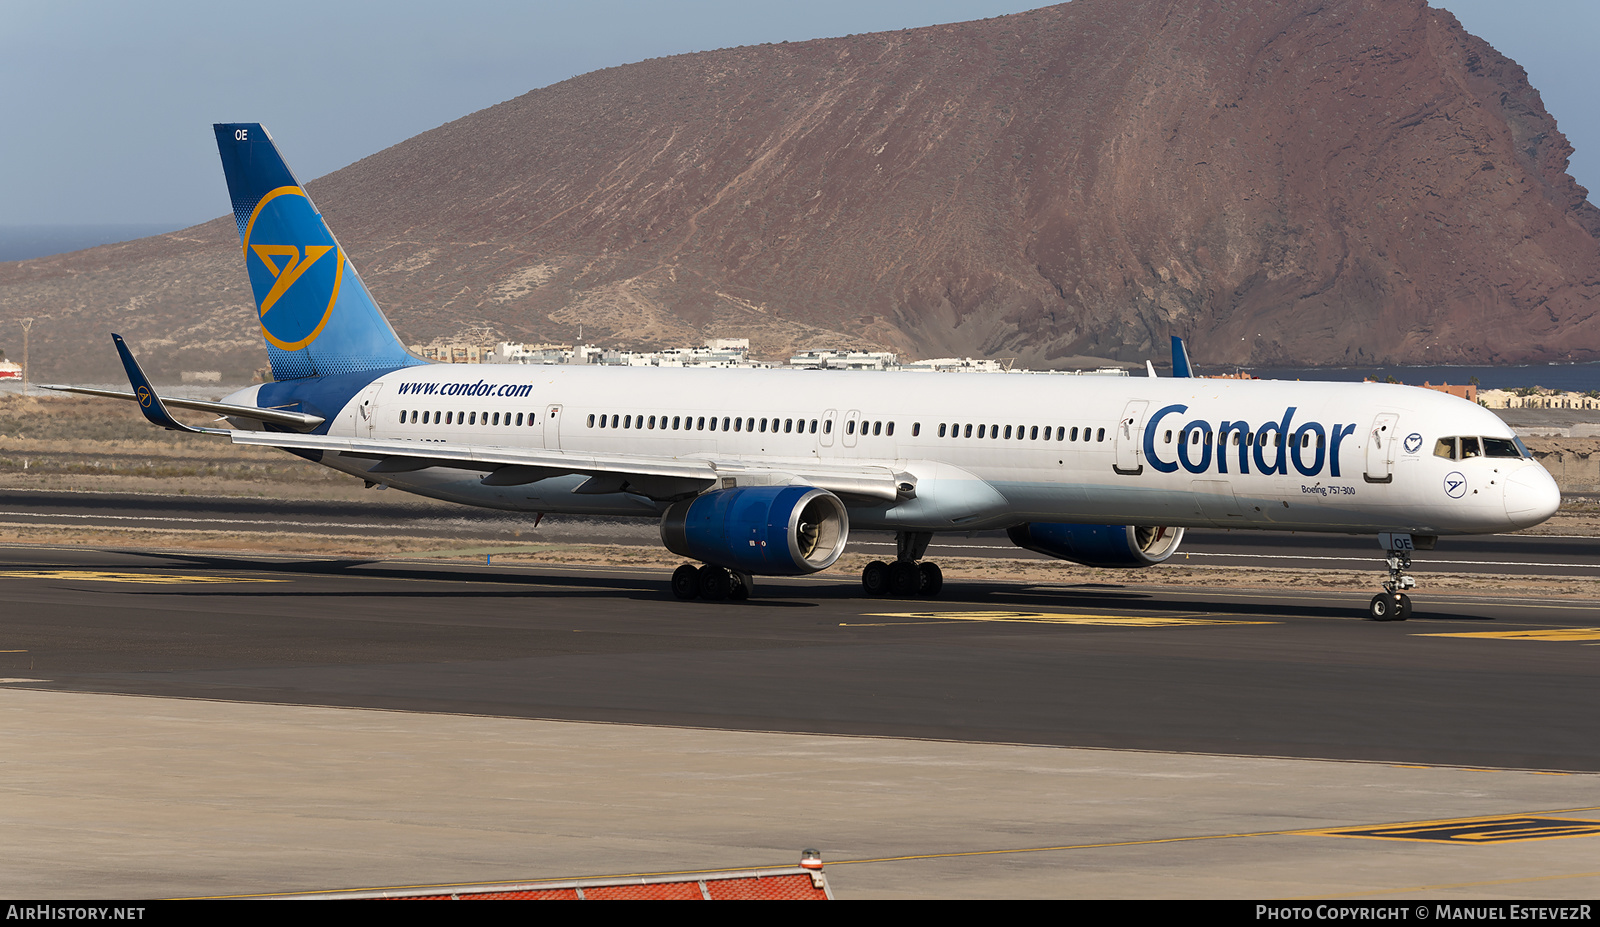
{"x":365,"y":417}
{"x":852,"y":421}
{"x":552,"y":426}
{"x":1382,"y":439}
{"x":1129,"y":430}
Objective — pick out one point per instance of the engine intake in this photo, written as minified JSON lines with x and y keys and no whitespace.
{"x":1099,"y":545}
{"x":760,"y":530}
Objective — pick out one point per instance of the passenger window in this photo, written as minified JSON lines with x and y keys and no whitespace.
{"x":916,"y":429}
{"x":1101,"y":435}
{"x":1033,"y":434}
{"x":877,"y":428}
{"x":968,"y":433}
{"x":890,"y":429}
{"x":591,"y":421}
{"x":827,"y":427}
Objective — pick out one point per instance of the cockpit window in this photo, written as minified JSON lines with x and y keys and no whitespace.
{"x":1501,"y":447}
{"x":1472,"y":446}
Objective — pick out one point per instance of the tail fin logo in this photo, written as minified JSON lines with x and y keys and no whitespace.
{"x":295,"y":268}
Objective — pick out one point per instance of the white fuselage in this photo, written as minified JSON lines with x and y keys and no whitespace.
{"x":982,"y":450}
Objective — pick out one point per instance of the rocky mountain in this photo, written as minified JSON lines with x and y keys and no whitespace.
{"x":1281,"y":181}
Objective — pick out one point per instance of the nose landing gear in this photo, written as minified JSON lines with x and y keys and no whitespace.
{"x":1392,"y":604}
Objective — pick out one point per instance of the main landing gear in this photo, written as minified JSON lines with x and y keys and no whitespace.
{"x":712,"y":583}
{"x":905,"y":578}
{"x":1392,"y":604}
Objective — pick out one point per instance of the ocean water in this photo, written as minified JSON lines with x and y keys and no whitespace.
{"x":20,"y":242}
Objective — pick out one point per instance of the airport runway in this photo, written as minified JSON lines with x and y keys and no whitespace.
{"x":1099,"y":666}
{"x":399,"y":514}
{"x":214,"y":724}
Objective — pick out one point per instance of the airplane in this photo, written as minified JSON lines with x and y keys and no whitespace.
{"x":762,"y":472}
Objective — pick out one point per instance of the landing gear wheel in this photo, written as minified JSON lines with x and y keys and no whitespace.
{"x":1392,"y":604}
{"x":905,"y":580}
{"x":1386,"y":606}
{"x":932,"y":579}
{"x":686,"y":582}
{"x":740,"y":592}
{"x":715,"y":583}
{"x":875,"y":578}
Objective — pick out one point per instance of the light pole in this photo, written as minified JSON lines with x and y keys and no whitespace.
{"x":26,"y":324}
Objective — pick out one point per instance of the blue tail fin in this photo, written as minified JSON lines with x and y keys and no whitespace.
{"x":1180,"y":359}
{"x":316,"y":314}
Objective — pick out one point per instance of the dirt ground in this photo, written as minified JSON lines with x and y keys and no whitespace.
{"x":93,"y":445}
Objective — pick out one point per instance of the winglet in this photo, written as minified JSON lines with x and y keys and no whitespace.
{"x":1180,"y":358}
{"x":149,"y":402}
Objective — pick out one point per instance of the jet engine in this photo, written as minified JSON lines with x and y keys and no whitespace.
{"x":1099,"y":545}
{"x":760,"y":530}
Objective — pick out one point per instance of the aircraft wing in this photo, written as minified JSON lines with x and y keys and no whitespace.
{"x":654,"y":477}
{"x":274,"y":416}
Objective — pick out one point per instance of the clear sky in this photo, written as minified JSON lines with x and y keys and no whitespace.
{"x":106,"y":106}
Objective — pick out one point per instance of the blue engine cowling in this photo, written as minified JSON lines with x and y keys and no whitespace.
{"x":1099,"y":545}
{"x":760,"y":530}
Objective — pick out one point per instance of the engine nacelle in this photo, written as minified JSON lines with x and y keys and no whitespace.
{"x":1099,"y":545}
{"x":760,"y":530}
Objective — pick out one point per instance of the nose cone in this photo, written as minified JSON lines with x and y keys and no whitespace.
{"x":1531,"y":496}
